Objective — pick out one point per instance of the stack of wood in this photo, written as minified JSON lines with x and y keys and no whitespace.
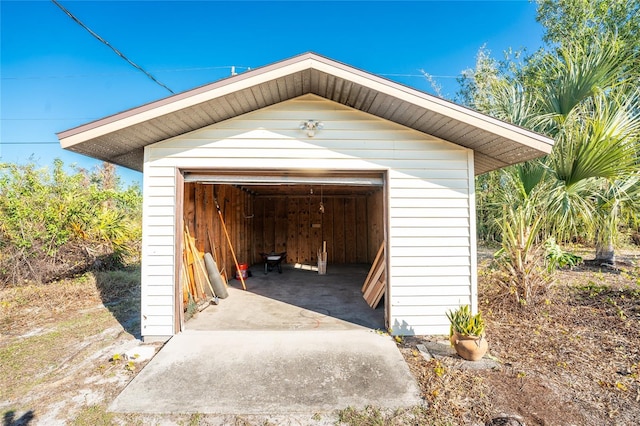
{"x":376,"y":282}
{"x":196,"y":287}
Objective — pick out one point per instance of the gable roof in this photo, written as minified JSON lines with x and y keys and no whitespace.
{"x":121,"y":138}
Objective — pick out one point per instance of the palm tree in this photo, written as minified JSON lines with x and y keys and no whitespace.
{"x":584,"y":97}
{"x":596,"y":159}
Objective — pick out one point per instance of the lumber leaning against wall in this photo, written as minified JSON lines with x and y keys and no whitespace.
{"x":202,"y":219}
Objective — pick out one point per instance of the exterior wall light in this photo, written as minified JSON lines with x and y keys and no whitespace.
{"x":311,"y":126}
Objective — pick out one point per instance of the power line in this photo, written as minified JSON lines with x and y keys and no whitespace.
{"x":46,"y":118}
{"x":110,"y":74}
{"x":29,"y":143}
{"x":419,"y":75}
{"x":230,"y":67}
{"x":40,"y":77}
{"x":106,"y":43}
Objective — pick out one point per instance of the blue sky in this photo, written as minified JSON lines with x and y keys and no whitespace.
{"x":55,"y":75}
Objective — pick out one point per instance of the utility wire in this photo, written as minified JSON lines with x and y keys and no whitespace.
{"x":40,"y":77}
{"x":108,"y":74}
{"x":106,"y":43}
{"x":46,"y":118}
{"x":29,"y":143}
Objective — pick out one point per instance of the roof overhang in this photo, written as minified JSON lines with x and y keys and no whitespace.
{"x":121,"y":138}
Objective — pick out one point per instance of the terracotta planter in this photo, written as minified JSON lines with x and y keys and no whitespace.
{"x":471,"y":348}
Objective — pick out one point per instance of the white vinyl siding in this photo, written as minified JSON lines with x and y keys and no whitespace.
{"x":430,"y":186}
{"x":158,"y":252}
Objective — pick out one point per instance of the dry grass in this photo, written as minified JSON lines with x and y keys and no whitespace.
{"x":55,"y":336}
{"x":583,"y":345}
{"x":572,"y":359}
{"x":29,"y":307}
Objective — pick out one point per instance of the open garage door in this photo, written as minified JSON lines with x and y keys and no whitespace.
{"x":297,"y":214}
{"x":280,"y":211}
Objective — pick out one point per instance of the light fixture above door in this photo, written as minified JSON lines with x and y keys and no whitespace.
{"x":311,"y":126}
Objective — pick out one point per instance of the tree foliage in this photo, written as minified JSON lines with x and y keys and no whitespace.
{"x":582,"y":90}
{"x":54,"y":223}
{"x":566,"y":21}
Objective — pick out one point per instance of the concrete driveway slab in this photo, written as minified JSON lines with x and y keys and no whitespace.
{"x":271,"y":372}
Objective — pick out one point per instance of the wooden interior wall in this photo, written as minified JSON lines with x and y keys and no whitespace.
{"x":351,"y":226}
{"x":203,"y":220}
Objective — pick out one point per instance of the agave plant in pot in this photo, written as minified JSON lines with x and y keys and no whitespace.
{"x":467,"y":333}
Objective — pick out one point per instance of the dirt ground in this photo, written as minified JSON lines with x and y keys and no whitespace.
{"x":573,"y":361}
{"x":66,"y":350}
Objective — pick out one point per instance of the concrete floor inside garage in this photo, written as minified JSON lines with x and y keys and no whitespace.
{"x":296,"y":299}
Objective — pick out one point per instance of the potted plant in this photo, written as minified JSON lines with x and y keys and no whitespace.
{"x":467,"y":333}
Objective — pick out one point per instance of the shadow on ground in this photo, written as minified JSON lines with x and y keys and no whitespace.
{"x":9,"y":418}
{"x":120,"y":293}
{"x":294,"y":300}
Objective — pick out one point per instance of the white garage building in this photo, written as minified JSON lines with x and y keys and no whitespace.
{"x":395,"y":167}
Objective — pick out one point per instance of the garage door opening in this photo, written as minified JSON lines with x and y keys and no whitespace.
{"x":292,"y":215}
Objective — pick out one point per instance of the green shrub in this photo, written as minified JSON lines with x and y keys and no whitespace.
{"x":54,"y":223}
{"x":558,"y":258}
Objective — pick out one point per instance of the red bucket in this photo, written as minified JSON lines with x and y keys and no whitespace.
{"x":242,"y":271}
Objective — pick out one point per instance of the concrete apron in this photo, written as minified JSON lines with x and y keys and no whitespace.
{"x":295,"y":342}
{"x":271,"y":372}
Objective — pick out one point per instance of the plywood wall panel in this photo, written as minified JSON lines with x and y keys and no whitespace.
{"x":375,"y":223}
{"x":350,"y":230}
{"x":304,"y":224}
{"x":338,"y":231}
{"x":292,"y":230}
{"x":269,"y":236}
{"x":280,"y":233}
{"x":258,"y":228}
{"x":248,"y":227}
{"x":210,"y":213}
{"x":206,"y":226}
{"x":315,"y":229}
{"x":296,"y":225}
{"x":327,"y":229}
{"x":190,"y":205}
{"x":201,"y":223}
{"x":361,"y":227}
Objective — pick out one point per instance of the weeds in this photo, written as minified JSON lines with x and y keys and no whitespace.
{"x":94,"y":415}
{"x":26,"y":362}
{"x":370,"y":416}
{"x":558,"y":258}
{"x":129,"y":364}
{"x":593,"y":289}
{"x":194,"y":419}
